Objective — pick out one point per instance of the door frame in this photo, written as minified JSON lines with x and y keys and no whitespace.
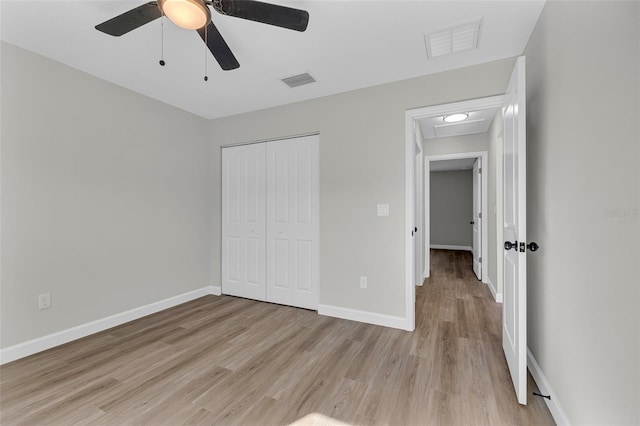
{"x":477,"y":195}
{"x":484,"y":230}
{"x":419,"y":214}
{"x":411,"y":116}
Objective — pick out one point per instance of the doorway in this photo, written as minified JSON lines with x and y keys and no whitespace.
{"x":413,"y":133}
{"x":474,"y":219}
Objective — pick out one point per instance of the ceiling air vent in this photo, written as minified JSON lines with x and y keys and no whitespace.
{"x":298,"y":80}
{"x":453,"y":39}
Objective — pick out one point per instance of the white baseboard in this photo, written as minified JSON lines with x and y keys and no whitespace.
{"x":494,"y":292}
{"x":40,"y":344}
{"x":558,"y":413}
{"x":364,"y":316}
{"x":449,"y":247}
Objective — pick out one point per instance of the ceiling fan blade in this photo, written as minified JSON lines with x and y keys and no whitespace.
{"x":130,"y":20}
{"x":266,"y":13}
{"x":218,"y":47}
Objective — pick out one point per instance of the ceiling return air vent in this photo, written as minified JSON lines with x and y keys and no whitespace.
{"x":298,"y":80}
{"x":458,"y":38}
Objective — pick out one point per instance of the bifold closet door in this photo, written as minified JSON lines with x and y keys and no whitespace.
{"x":243,"y":221}
{"x":293,"y":221}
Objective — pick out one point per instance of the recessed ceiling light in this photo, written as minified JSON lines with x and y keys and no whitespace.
{"x":454,"y":118}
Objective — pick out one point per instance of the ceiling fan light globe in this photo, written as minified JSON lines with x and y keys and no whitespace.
{"x":187,"y":14}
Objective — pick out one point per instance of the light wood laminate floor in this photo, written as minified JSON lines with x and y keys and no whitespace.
{"x":226,"y":360}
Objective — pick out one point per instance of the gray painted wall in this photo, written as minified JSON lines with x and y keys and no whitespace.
{"x":451,"y":207}
{"x":362,"y":163}
{"x":104,"y":202}
{"x":583,"y":186}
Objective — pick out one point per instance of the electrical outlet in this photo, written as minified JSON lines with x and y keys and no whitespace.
{"x":44,"y":301}
{"x":363,"y":282}
{"x":383,"y":209}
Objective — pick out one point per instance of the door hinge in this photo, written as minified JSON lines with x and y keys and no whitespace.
{"x":479,"y":260}
{"x":480,"y":215}
{"x":480,"y":171}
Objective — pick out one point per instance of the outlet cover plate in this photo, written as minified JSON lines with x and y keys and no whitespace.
{"x":44,"y":301}
{"x":383,"y":209}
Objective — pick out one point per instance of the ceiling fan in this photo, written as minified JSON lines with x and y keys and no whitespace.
{"x":195,"y":15}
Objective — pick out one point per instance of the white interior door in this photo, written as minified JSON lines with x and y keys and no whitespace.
{"x":293,"y":222}
{"x":243,"y":221}
{"x":476,"y":221}
{"x":514,"y":309}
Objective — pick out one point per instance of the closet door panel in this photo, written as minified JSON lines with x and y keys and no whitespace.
{"x":304,"y":186}
{"x":292,"y":216}
{"x":243,"y":221}
{"x":304,"y":265}
{"x":279,"y":169}
{"x":233,"y":259}
{"x":280,"y":247}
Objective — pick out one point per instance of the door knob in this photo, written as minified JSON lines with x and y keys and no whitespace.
{"x":471,"y":223}
{"x":508,"y":245}
{"x":533,"y":246}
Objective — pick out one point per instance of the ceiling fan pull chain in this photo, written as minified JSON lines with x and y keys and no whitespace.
{"x":206,"y":40}
{"x":162,"y":40}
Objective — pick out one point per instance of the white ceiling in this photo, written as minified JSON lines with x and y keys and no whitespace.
{"x":348,"y":45}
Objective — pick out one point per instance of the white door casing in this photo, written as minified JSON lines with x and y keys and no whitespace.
{"x":410,"y":136}
{"x":243,"y":221}
{"x":293,"y":222}
{"x":419,"y":217}
{"x":514,"y":314}
{"x":476,"y":221}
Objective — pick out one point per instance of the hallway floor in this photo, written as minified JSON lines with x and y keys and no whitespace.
{"x":459,"y":328}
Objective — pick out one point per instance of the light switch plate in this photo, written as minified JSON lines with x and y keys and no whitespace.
{"x":383,"y":209}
